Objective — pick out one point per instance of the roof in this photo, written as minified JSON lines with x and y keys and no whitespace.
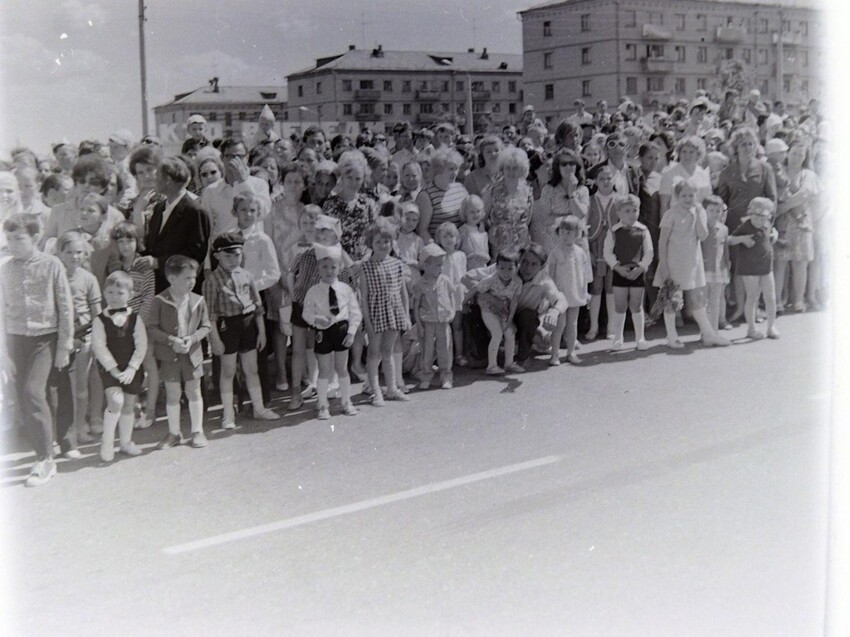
{"x":796,"y":4}
{"x":231,"y":94}
{"x":381,"y":60}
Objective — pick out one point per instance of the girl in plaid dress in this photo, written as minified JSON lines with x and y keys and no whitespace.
{"x":385,"y":308}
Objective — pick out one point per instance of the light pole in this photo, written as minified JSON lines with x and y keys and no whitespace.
{"x":143,"y":65}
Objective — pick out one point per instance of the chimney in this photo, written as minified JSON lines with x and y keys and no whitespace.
{"x":379,"y":52}
{"x":470,"y":50}
{"x":351,"y":47}
{"x":214,"y":84}
{"x":484,"y":55}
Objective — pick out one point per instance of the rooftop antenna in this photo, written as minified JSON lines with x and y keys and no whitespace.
{"x":363,"y":24}
{"x":474,"y":32}
{"x":143,"y":67}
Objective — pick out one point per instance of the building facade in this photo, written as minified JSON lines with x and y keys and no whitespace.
{"x":379,"y":88}
{"x":662,"y":49}
{"x":227,"y":109}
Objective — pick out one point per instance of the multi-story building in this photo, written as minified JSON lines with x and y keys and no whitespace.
{"x":234,"y":109}
{"x":379,"y":88}
{"x":661,"y":49}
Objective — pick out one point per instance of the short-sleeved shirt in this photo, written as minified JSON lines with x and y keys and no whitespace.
{"x":437,"y":299}
{"x":231,"y":293}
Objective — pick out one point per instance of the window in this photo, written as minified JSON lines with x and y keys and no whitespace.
{"x":367,"y":84}
{"x":680,"y":22}
{"x":405,"y":109}
{"x":426,"y":108}
{"x":478,"y":107}
{"x":680,"y":53}
{"x":804,"y":87}
{"x":629,"y":18}
{"x":446,"y":108}
{"x":762,"y":56}
{"x":424,"y":86}
{"x":631,"y":85}
{"x":459,"y":86}
{"x":228,"y":119}
{"x":388,"y":86}
{"x":701,"y":22}
{"x":512,"y":108}
{"x":585,"y":22}
{"x":444,"y":86}
{"x":730,"y":53}
{"x":762,"y":25}
{"x":547,"y":60}
{"x":212,"y":117}
{"x":680,"y":86}
{"x":749,"y":24}
{"x":786,"y":26}
{"x":656,"y":17}
{"x":804,"y":28}
{"x":631,"y":52}
{"x":702,"y":54}
{"x":585,"y":88}
{"x":346,"y":109}
{"x":547,"y":28}
{"x":388,"y":109}
{"x":655,"y":50}
{"x":318,"y":88}
{"x":747,"y":55}
{"x":512,"y":86}
{"x":804,"y":56}
{"x":478,"y":85}
{"x":730,"y":21}
{"x":765,"y":87}
{"x":786,"y":84}
{"x":497,"y":87}
{"x":585,"y":55}
{"x":405,"y":86}
{"x":300,"y":90}
{"x":346,"y":85}
{"x":548,"y":91}
{"x":367,"y":109}
{"x":497,"y":108}
{"x":701,"y":83}
{"x":655,"y":84}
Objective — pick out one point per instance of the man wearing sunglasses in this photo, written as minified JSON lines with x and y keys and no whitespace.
{"x":626,"y":176}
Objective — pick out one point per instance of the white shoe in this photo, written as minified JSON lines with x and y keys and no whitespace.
{"x":266,"y":414}
{"x":616,"y":346}
{"x":642,"y":345}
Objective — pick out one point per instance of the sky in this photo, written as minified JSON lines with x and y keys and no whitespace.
{"x":70,"y":68}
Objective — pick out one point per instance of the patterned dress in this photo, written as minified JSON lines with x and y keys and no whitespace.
{"x":509,"y":216}
{"x":383,"y":284}
{"x":354,"y":216}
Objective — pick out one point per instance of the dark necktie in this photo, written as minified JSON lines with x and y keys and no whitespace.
{"x":333,"y":304}
{"x":120,"y":310}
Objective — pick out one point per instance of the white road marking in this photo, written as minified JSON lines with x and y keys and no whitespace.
{"x":301,"y":520}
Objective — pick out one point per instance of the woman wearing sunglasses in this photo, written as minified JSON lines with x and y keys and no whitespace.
{"x":626,"y":176}
{"x":565,"y":194}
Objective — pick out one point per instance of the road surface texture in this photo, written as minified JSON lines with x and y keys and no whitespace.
{"x":648,"y":493}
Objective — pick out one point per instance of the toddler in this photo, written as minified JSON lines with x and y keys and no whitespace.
{"x":628,"y":252}
{"x":571,"y":270}
{"x":409,"y":243}
{"x":599,"y":219}
{"x":119,"y":342}
{"x":755,"y":263}
{"x":715,"y":256}
{"x":433,"y":311}
{"x":473,"y":238}
{"x":454,"y":267}
{"x":178,"y":323}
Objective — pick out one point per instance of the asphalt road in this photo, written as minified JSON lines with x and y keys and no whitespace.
{"x":649,"y":493}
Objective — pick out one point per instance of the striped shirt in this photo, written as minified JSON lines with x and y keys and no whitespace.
{"x":445,"y":205}
{"x":231,"y":293}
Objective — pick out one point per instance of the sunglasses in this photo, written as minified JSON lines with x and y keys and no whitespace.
{"x":209,"y":173}
{"x":567,"y":163}
{"x":615,"y":143}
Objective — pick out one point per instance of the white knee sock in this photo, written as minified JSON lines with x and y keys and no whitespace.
{"x":345,"y":389}
{"x":617,"y":325}
{"x":255,"y":391}
{"x":609,"y":308}
{"x":110,"y":420}
{"x":125,"y":429}
{"x":172,"y":414}
{"x":196,"y":415}
{"x":228,"y":414}
{"x":638,"y":319}
{"x":322,"y":392}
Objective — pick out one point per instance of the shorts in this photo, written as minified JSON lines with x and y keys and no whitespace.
{"x":619,"y":281}
{"x":238,"y":333}
{"x":330,"y":340}
{"x":179,"y":371}
{"x":134,"y":387}
{"x":297,"y":318}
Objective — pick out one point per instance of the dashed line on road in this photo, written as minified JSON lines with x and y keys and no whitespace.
{"x":282,"y":525}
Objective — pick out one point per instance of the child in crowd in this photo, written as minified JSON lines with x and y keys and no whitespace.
{"x":385,"y":308}
{"x":125,"y":240}
{"x":715,"y":256}
{"x":236,"y":325}
{"x":304,"y":275}
{"x":683,"y":227}
{"x":473,"y":238}
{"x":36,"y":333}
{"x":55,"y":189}
{"x":260,"y":261}
{"x":454,"y":267}
{"x":628,"y":252}
{"x":498,"y":294}
{"x":85,"y":292}
{"x":571,"y":270}
{"x":409,"y":243}
{"x":331,"y":307}
{"x":178,"y":323}
{"x":433,"y":312}
{"x":600,"y":218}
{"x":93,"y":211}
{"x":757,"y":235}
{"x":119,"y":342}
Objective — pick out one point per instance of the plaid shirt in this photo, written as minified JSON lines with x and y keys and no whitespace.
{"x":306,"y":273}
{"x":231,"y":293}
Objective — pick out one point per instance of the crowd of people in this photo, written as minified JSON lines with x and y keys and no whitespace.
{"x":297,"y":264}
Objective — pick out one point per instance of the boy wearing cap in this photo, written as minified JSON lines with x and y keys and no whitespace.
{"x":331,"y":307}
{"x":433,"y":311}
{"x":236,"y":325}
{"x":196,"y":128}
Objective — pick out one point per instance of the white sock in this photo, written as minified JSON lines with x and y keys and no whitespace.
{"x":322,"y":392}
{"x":110,"y":420}
{"x":196,"y":415}
{"x":172,"y":414}
{"x":618,"y":325}
{"x":345,"y":389}
{"x":227,"y":407}
{"x":125,"y":429}
{"x":255,"y":391}
{"x":609,"y":308}
{"x":639,"y":322}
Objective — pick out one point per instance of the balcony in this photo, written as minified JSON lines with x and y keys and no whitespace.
{"x":655,"y":32}
{"x":657,"y":65}
{"x":367,"y":117}
{"x":650,"y":96}
{"x":792,"y":39}
{"x":428,"y":95}
{"x":730,"y":35}
{"x":431,"y":118}
{"x":367,"y":95}
{"x":480,"y":96}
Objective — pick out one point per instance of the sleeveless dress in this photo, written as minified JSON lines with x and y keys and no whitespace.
{"x":383,"y":283}
{"x":509,"y":217}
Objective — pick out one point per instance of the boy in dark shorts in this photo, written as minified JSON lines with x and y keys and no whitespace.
{"x":331,"y":308}
{"x":236,"y":325}
{"x":178,"y":323}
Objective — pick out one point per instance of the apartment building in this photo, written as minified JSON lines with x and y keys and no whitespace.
{"x":661,"y":49}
